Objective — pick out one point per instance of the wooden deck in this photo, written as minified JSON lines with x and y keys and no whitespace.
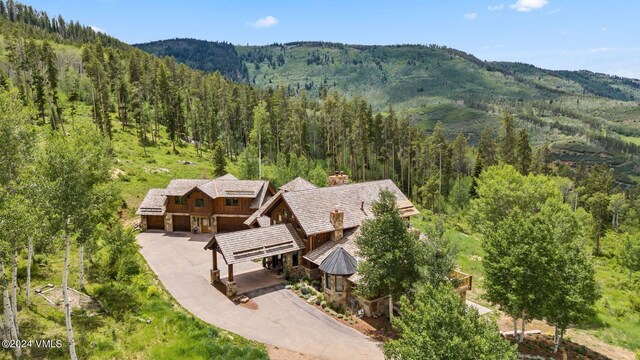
{"x":461,"y":281}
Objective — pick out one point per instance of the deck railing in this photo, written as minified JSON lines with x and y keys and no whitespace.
{"x":461,"y":281}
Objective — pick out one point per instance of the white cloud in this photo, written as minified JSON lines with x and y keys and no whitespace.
{"x":528,"y":5}
{"x":603,"y":49}
{"x":97,"y":29}
{"x":496,"y":7}
{"x":264,"y":22}
{"x":470,"y":16}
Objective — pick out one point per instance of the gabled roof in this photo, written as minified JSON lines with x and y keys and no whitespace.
{"x":298,"y":184}
{"x":224,"y":186}
{"x":227,"y":177}
{"x":311,"y":207}
{"x":179,"y":187}
{"x":339,"y":262}
{"x":261,"y":211}
{"x":153,"y":203}
{"x":347,"y":242}
{"x":247,"y":245}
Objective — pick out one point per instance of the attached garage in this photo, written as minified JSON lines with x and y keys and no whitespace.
{"x":228,"y":224}
{"x":181,"y":223}
{"x":155,"y":222}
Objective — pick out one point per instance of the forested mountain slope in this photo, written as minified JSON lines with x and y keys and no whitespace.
{"x":583,"y":115}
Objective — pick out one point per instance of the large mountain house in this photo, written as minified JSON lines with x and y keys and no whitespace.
{"x":201,"y":205}
{"x":299,"y":230}
{"x":310,"y":231}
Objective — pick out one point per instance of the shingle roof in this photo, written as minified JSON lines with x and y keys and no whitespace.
{"x":247,"y":245}
{"x":227,"y":187}
{"x":347,"y":242}
{"x":260,"y":198}
{"x":227,"y":177}
{"x":339,"y":262}
{"x":311,"y":207}
{"x":153,"y":203}
{"x":258,"y":213}
{"x":264,"y":221}
{"x":179,"y":187}
{"x":298,"y":184}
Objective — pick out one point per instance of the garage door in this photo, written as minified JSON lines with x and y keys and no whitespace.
{"x":227,"y":224}
{"x":181,"y":223}
{"x":155,"y":222}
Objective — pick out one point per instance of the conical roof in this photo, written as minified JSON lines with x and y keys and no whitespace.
{"x":339,"y":262}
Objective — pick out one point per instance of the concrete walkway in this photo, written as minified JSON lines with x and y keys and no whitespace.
{"x":282,"y":319}
{"x":481,"y":309}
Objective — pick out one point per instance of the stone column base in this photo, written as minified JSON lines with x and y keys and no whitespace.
{"x":214,"y":276}
{"x":232,"y":289}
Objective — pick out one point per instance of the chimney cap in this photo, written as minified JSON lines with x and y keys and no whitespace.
{"x":336,"y":172}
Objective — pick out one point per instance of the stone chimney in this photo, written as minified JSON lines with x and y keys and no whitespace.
{"x":338,"y":178}
{"x":336,"y":217}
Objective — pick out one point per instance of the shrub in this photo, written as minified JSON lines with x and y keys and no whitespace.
{"x":318,"y":301}
{"x":323,"y":304}
{"x":305,"y":291}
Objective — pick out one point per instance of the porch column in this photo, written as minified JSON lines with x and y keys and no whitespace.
{"x":215,"y":272}
{"x":232,"y":288}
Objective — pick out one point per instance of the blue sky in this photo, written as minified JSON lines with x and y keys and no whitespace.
{"x":600,"y":36}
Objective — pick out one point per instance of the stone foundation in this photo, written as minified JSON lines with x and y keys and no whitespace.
{"x":214,"y":276}
{"x":232,"y":288}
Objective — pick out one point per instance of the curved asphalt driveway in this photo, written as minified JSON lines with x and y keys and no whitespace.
{"x":282,"y":319}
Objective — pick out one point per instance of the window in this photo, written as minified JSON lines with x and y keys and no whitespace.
{"x":327,"y":284}
{"x":294,"y":259}
{"x":231,"y":201}
{"x":199,"y":203}
{"x":339,"y":284}
{"x":180,"y":200}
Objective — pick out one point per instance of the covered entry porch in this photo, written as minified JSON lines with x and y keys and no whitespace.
{"x":278,"y":242}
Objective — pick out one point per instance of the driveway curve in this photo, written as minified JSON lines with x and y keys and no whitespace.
{"x":281,"y":319}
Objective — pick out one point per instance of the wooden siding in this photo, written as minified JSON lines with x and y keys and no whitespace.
{"x":197,"y":194}
{"x":227,"y":224}
{"x":243,"y":208}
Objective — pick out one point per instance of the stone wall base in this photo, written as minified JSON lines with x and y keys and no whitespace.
{"x":232,"y":288}
{"x":214,"y":276}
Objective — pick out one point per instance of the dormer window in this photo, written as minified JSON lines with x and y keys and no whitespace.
{"x":180,"y":200}
{"x":199,"y":203}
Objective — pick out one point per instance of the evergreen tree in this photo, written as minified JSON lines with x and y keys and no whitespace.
{"x":542,"y":160}
{"x":487,"y":148}
{"x":219,"y":160}
{"x":523,"y":153}
{"x":459,"y":158}
{"x":508,"y":140}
